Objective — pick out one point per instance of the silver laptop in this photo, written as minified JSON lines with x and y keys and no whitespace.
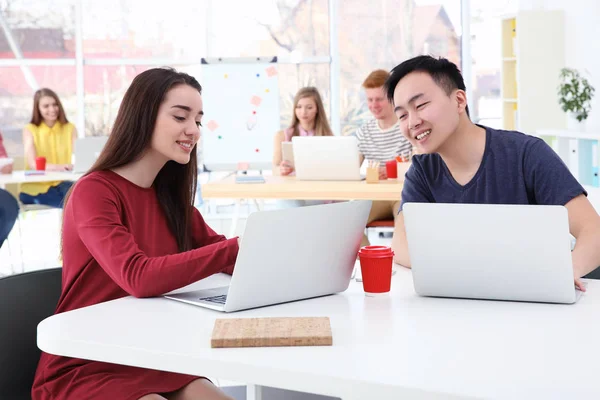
{"x":87,"y":151}
{"x":326,"y":158}
{"x":496,"y":252}
{"x":288,"y":255}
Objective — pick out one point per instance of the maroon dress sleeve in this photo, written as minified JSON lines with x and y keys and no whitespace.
{"x":96,"y":212}
{"x":204,"y":235}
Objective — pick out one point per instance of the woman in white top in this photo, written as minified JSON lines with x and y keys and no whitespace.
{"x":308,"y":119}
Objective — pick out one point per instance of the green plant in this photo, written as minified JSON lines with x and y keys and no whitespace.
{"x":575,"y":93}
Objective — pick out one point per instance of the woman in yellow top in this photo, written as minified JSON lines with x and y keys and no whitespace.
{"x":48,"y":135}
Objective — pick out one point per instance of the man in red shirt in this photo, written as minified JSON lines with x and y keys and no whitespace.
{"x":9,"y":208}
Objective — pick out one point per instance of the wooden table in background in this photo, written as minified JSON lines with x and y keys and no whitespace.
{"x":289,"y":188}
{"x":280,"y":187}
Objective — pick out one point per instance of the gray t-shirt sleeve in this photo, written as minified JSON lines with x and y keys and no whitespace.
{"x":547,"y":178}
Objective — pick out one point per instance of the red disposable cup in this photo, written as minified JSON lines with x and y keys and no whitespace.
{"x":40,"y":163}
{"x":376,"y":267}
{"x":391,"y":168}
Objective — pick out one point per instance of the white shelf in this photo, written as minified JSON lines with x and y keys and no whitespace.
{"x":538,"y":39}
{"x":569,"y":134}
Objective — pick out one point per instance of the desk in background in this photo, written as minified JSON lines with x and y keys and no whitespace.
{"x":20,"y":177}
{"x":281,"y":187}
{"x":397,"y":347}
{"x":286,"y":187}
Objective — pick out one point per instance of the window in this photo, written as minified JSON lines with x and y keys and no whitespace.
{"x":141,"y":29}
{"x":16,"y":99}
{"x":382,"y":34}
{"x":268,"y":28}
{"x":37,"y":29}
{"x":486,"y":54}
{"x":122,"y":38}
{"x":104,"y":90}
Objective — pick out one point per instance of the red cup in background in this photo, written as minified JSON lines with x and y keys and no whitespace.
{"x":40,"y":163}
{"x":376,"y":267}
{"x":391,"y":168}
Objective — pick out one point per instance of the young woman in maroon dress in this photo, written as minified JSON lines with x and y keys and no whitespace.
{"x":130,"y":228}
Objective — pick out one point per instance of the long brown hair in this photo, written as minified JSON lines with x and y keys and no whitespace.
{"x":131,"y":134}
{"x":321,"y":125}
{"x":36,"y":116}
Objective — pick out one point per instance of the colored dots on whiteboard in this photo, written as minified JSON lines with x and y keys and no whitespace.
{"x":212,"y":125}
{"x":255,"y":101}
{"x":271,"y":71}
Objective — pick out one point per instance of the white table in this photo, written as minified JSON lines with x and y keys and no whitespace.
{"x":401,"y":346}
{"x":20,"y":177}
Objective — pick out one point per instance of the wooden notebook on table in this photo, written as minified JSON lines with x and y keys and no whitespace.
{"x":272,"y":332}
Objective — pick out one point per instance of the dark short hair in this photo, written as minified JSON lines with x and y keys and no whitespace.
{"x":443,"y":72}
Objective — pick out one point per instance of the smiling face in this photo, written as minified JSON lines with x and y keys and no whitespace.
{"x":378,"y":103}
{"x":49,"y":109}
{"x":177,"y":127}
{"x":428,"y":115}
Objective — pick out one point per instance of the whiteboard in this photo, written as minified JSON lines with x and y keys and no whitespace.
{"x":241,"y":113}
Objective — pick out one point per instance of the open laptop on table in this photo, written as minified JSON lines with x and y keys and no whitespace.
{"x":288,"y":255}
{"x":87,"y":151}
{"x":326,"y":158}
{"x":496,"y":252}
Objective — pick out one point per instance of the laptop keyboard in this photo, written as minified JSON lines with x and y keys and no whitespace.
{"x":215,"y":299}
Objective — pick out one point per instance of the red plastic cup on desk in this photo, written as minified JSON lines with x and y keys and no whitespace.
{"x":376,"y":267}
{"x":391,"y":168}
{"x":40,"y":163}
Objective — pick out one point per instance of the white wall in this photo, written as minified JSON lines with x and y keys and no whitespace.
{"x":582,"y":46}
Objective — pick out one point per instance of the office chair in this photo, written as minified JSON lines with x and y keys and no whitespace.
{"x":25,"y":300}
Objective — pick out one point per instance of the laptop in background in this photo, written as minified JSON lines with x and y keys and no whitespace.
{"x":326,"y":158}
{"x":291,"y":254}
{"x":495,"y":252}
{"x":87,"y":151}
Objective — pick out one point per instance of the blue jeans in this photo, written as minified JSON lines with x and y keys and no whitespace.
{"x":54,"y":197}
{"x":9,"y":212}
